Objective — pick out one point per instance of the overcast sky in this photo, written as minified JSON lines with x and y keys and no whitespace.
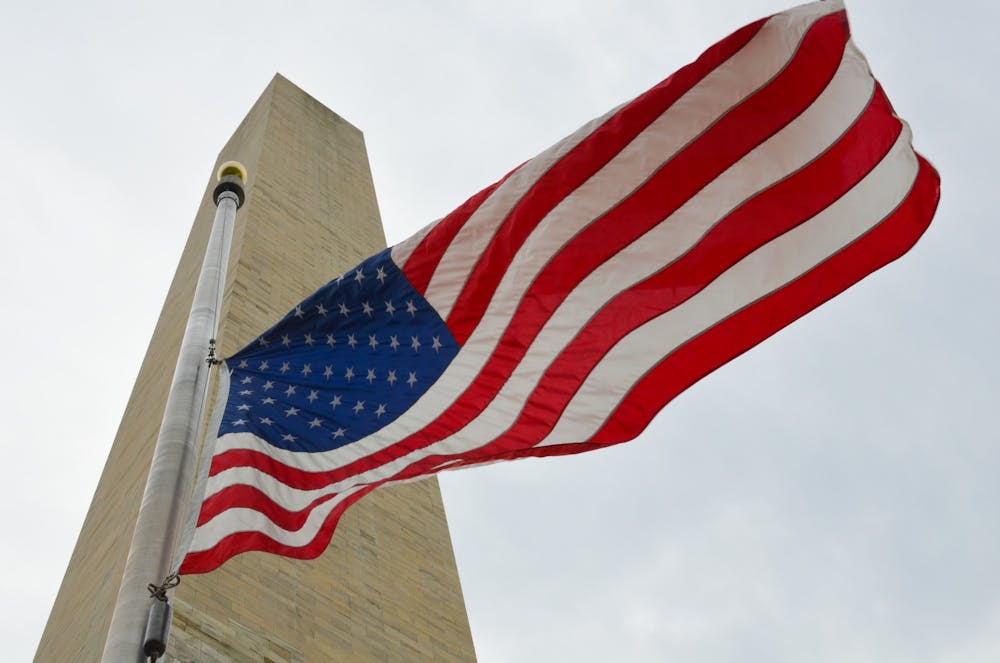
{"x":832,"y":495}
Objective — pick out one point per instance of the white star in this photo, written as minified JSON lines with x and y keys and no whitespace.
{"x":330,"y":340}
{"x":299,"y":313}
{"x":263,"y":365}
{"x":380,"y":410}
{"x":285,"y":367}
{"x":288,"y":437}
{"x":367,"y":309}
{"x":291,"y":411}
{"x":415,"y":344}
{"x":349,"y":373}
{"x":372,"y":341}
{"x":380,"y":275}
{"x":328,"y":372}
{"x":389,"y":308}
{"x":309,"y":340}
{"x":341,"y":277}
{"x":286,"y":340}
{"x":245,"y":392}
{"x":339,"y":433}
{"x":267,"y":401}
{"x":351,"y":341}
{"x":246,"y":380}
{"x":437,"y":344}
{"x":392,"y":378}
{"x":266,"y":421}
{"x":313,"y":395}
{"x":335,"y":402}
{"x":244,"y":407}
{"x":393,"y":342}
{"x":359,"y":276}
{"x":371,"y":375}
{"x":410,"y":308}
{"x":321,"y":310}
{"x":307,"y":369}
{"x":412,"y":380}
{"x":242,"y":364}
{"x":290,"y":391}
{"x":344,"y":310}
{"x":262,"y":340}
{"x":240,"y":422}
{"x":316,"y":423}
{"x":358,"y":407}
{"x":268,"y":385}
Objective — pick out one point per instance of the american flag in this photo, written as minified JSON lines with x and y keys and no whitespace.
{"x":560,"y":309}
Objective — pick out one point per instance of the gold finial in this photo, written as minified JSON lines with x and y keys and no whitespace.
{"x":233,"y":168}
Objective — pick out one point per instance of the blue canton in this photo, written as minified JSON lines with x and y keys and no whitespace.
{"x":342,"y":364}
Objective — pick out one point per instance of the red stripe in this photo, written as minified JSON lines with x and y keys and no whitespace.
{"x":574,"y":169}
{"x":250,"y":497}
{"x":204,"y":561}
{"x":727,"y":141}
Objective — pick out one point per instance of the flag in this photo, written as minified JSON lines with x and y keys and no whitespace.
{"x":560,"y":309}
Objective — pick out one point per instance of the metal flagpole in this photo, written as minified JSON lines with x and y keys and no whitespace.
{"x":142,"y":594}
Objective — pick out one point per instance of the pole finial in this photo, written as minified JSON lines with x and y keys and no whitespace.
{"x":232,"y":168}
{"x":232,"y":176}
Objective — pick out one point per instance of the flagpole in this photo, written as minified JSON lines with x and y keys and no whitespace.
{"x":162,"y":513}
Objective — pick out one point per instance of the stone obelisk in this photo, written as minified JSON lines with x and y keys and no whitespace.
{"x":387,"y":588}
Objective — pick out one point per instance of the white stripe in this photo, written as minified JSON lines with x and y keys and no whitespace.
{"x":249,"y":520}
{"x":726,"y":86}
{"x":472,"y":239}
{"x":401,"y":252}
{"x":602,"y":191}
{"x":791,"y":148}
